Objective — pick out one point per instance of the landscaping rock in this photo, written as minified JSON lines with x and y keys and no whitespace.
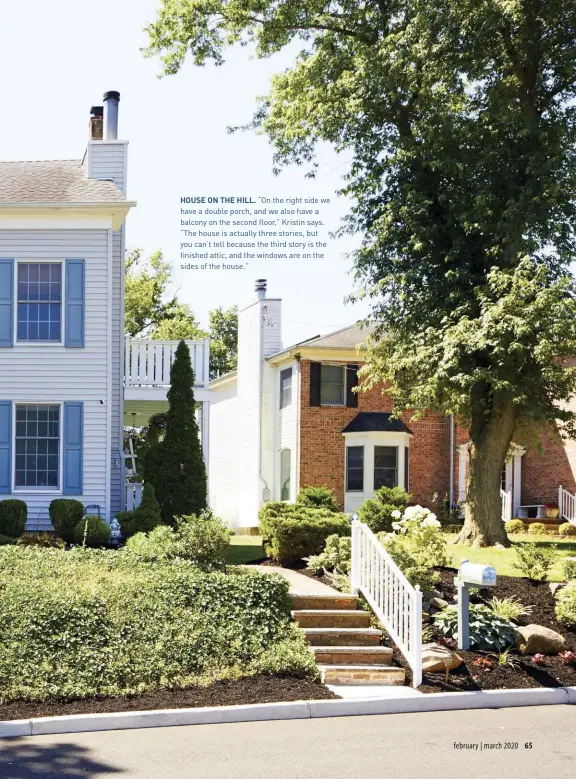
{"x":439,"y":603}
{"x":555,"y":586}
{"x":429,"y":594}
{"x":426,"y":617}
{"x":436,"y":657}
{"x":533,"y":639}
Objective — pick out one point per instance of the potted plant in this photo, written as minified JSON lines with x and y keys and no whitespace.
{"x":551,"y":510}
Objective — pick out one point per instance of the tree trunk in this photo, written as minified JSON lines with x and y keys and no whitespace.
{"x":490,"y":438}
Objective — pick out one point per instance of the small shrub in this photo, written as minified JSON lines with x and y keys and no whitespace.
{"x":65,"y":513}
{"x":13,"y":515}
{"x":569,"y":569}
{"x":377,"y":512}
{"x":293,"y":532}
{"x":148,"y":514}
{"x":567,"y":529}
{"x":336,"y":556}
{"x":91,"y":531}
{"x":566,"y":605}
{"x":124,"y":519}
{"x":488,"y":631}
{"x":537,"y":529}
{"x":203,"y":540}
{"x":290,"y":657}
{"x":47,"y":540}
{"x":509,"y":608}
{"x":534,"y":561}
{"x":514,"y":526}
{"x":318,"y":497}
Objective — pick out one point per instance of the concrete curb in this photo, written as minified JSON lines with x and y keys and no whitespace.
{"x":258,"y":712}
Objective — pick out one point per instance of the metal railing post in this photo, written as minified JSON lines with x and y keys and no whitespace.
{"x":355,"y":567}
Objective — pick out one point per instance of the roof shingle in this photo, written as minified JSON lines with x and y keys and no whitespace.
{"x":53,"y":181}
{"x":375,"y":421}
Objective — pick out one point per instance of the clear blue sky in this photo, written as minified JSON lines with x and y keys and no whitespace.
{"x":59,"y":57}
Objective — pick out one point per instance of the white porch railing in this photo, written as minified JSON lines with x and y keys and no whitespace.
{"x":133,"y":495}
{"x":567,"y":505}
{"x":506,"y":498}
{"x":147,"y":363}
{"x":396,"y":603}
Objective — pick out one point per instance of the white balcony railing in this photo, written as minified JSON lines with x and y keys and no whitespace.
{"x":506,"y":498}
{"x":396,"y":603}
{"x":147,"y":363}
{"x":567,"y":505}
{"x":132,"y":495}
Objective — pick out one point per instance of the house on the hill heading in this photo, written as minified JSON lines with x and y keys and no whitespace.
{"x":289,"y":417}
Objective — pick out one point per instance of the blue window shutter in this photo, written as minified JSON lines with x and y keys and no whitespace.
{"x":73,"y":448}
{"x":75,"y":313}
{"x":6,"y":302}
{"x":5,"y":446}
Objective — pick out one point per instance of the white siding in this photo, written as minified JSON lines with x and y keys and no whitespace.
{"x":223,"y":453}
{"x":31,"y":373}
{"x":106,"y":162}
{"x":287,"y":429}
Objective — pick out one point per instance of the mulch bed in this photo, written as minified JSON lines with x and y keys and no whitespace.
{"x":253,"y":689}
{"x":468,"y":677}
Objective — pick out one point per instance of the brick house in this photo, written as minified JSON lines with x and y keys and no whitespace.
{"x":288,"y":417}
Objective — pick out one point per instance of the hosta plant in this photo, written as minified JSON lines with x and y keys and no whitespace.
{"x":488,"y":631}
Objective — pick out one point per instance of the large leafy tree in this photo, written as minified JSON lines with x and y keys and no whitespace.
{"x":457,"y":119}
{"x":223,"y":330}
{"x":150,"y":310}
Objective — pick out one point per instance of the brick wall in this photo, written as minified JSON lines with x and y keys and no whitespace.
{"x":322,"y":444}
{"x":322,"y":451}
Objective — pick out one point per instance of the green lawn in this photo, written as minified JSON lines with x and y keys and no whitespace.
{"x":502,"y":559}
{"x":244,"y":549}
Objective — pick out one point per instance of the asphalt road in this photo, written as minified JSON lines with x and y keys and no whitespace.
{"x":399,"y":746}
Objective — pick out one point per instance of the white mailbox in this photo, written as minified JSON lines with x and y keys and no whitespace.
{"x":478,"y":575}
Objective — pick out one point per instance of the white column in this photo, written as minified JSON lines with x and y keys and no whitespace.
{"x":517,"y":466}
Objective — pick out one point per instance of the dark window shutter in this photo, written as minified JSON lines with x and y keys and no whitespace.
{"x":73,"y":446}
{"x":6,"y":302}
{"x":351,"y":382}
{"x":315,"y":369}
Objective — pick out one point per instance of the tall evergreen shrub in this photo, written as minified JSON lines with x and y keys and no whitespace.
{"x":175,"y":466}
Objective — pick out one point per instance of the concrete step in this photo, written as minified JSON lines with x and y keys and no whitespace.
{"x":362,"y":674}
{"x":336,"y":601}
{"x":331,"y":618}
{"x":342,"y":636}
{"x":352,"y":655}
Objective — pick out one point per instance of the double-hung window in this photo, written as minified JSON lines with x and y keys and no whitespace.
{"x":385,"y":466}
{"x":332,"y":385}
{"x":285,"y":387}
{"x":354,"y":468}
{"x":39,"y":301}
{"x":37,"y":445}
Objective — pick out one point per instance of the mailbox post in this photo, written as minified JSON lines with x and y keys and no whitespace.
{"x":470,"y":575}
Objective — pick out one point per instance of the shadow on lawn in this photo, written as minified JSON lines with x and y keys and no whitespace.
{"x":22,"y":759}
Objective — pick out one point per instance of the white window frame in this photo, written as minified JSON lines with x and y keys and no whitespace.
{"x":354,"y":446}
{"x":369,"y":440}
{"x":38,"y":490}
{"x":282,"y":405}
{"x":344,"y":370}
{"x":34,"y":261}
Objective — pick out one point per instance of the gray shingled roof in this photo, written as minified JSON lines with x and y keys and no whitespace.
{"x":375,"y":421}
{"x":53,"y":181}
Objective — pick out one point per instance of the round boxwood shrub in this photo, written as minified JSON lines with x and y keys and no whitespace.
{"x":537,"y":529}
{"x":65,"y":513}
{"x":318,"y":498}
{"x":13,"y":515}
{"x":91,"y":531}
{"x":567,"y":529}
{"x":376,"y":512}
{"x":514,"y":526}
{"x":566,"y":604}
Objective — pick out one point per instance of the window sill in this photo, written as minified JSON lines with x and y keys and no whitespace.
{"x":36,"y":491}
{"x":38,"y":343}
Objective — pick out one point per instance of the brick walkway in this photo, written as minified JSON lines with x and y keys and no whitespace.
{"x":299,"y":584}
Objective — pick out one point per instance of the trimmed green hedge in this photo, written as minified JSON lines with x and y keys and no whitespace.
{"x":84,"y":622}
{"x":292,"y":532}
{"x":65,"y":513}
{"x":92,"y":531}
{"x":13,"y":515}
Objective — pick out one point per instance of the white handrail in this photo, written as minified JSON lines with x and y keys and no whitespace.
{"x":506,"y":499}
{"x":396,"y":603}
{"x":567,"y":505}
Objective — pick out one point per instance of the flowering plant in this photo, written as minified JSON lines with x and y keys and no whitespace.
{"x":538,"y":659}
{"x":567,"y":657}
{"x":416,"y":544}
{"x":551,"y":506}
